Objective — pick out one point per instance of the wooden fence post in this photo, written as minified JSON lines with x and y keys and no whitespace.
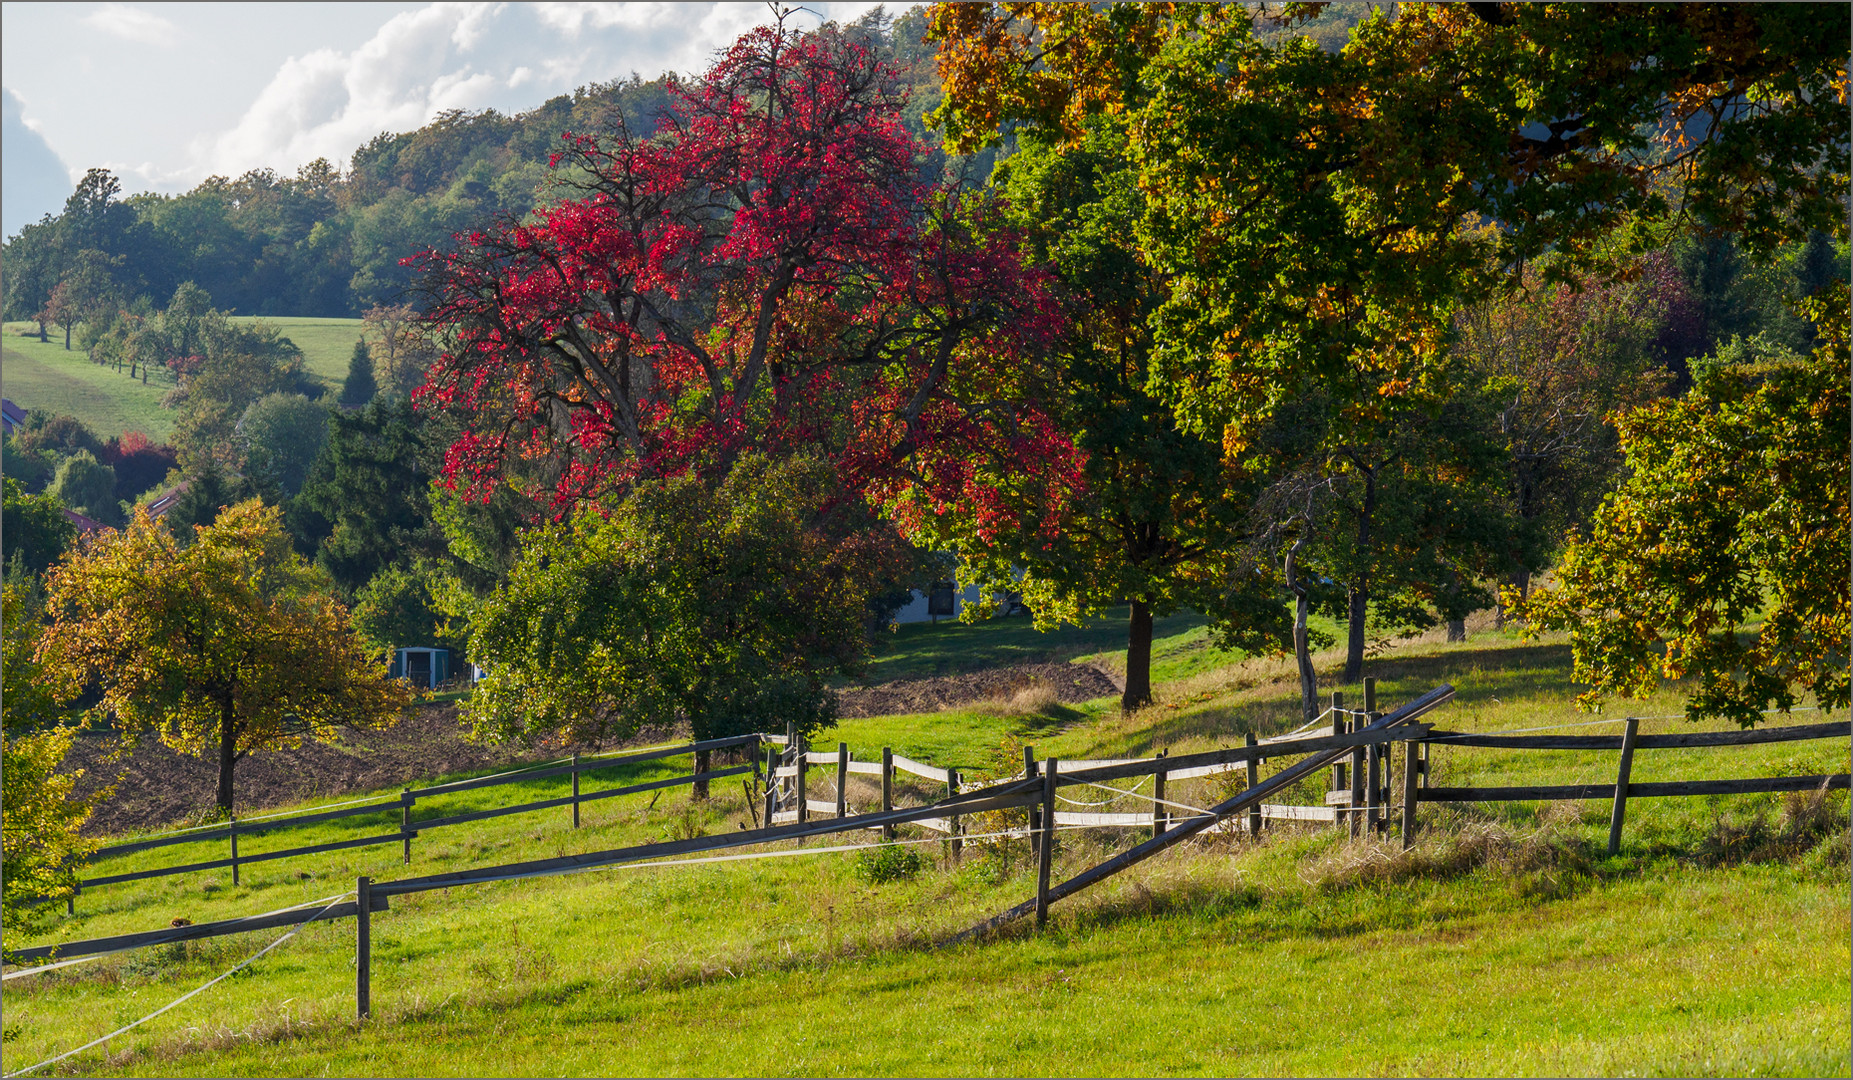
{"x":1411,"y":768}
{"x":1338,"y":728}
{"x":363,"y":948}
{"x":804,"y":774}
{"x":952,"y":788}
{"x":575,"y":791}
{"x":1373,"y":788}
{"x":842,"y":780}
{"x":1035,"y":812}
{"x":1355,"y":814}
{"x":233,"y":830}
{"x":1621,"y":785}
{"x":887,"y":788}
{"x":406,"y":799}
{"x":1377,"y":758}
{"x":1161,"y":819}
{"x":1254,"y":781}
{"x":1045,"y":852}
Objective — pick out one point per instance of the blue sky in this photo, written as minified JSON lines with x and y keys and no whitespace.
{"x":168,"y":94}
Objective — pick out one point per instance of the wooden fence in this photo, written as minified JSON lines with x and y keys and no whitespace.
{"x":409,"y":825}
{"x":1358,"y":750}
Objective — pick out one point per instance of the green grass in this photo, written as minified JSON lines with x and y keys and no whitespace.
{"x":1225,"y":957}
{"x":326,"y":344}
{"x":45,"y":376}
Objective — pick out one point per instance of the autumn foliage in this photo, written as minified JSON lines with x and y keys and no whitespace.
{"x":768,"y":270}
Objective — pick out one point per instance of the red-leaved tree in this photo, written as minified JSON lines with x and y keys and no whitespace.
{"x":767,"y":270}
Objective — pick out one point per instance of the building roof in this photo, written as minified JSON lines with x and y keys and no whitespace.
{"x":84,"y":523}
{"x":11,"y":415}
{"x":166,"y":500}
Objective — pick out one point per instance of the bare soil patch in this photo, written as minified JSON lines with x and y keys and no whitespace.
{"x":159,"y":788}
{"x":1070,"y":683}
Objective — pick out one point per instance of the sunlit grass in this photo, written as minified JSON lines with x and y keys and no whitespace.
{"x":1224,"y":957}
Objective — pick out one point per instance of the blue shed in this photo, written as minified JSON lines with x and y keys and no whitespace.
{"x":423,"y":666}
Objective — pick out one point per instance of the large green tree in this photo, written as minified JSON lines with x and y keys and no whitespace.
{"x":1148,"y":514}
{"x":1734,"y":513}
{"x":727,"y":606}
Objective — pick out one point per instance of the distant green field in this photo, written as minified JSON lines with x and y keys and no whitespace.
{"x":326,"y":344}
{"x":45,"y":376}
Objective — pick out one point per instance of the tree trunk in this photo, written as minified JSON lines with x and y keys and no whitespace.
{"x":228,"y":755}
{"x":1138,"y":693}
{"x":67,"y":337}
{"x":1354,"y":637}
{"x":1457,"y":629}
{"x":43,"y":336}
{"x":1302,"y":647}
{"x":700,"y":790}
{"x":1359,"y":593}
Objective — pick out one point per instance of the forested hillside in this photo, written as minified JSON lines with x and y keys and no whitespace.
{"x":330,"y":239}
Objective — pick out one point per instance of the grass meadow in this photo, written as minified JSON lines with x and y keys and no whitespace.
{"x":43,"y":375}
{"x":1506,"y":941}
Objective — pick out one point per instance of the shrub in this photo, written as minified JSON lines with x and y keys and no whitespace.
{"x":883,"y":863}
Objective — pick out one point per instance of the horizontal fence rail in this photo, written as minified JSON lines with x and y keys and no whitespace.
{"x":410,"y":826}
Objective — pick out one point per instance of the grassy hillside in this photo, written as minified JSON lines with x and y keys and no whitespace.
{"x":45,"y":376}
{"x":1507,"y":943}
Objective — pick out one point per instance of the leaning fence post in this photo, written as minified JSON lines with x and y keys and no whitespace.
{"x":887,"y":788}
{"x":1621,"y":785}
{"x":1411,"y":767}
{"x":1045,"y":854}
{"x":363,"y":947}
{"x":1160,"y":819}
{"x":575,"y":791}
{"x":1035,"y":813}
{"x":952,"y":789}
{"x":406,"y":799}
{"x":233,"y":830}
{"x":842,"y":780}
{"x":1254,"y":781}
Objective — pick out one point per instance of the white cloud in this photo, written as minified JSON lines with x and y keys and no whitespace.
{"x":133,"y":24}
{"x":510,"y":57}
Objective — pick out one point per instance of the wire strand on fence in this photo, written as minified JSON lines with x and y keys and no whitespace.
{"x":1133,"y":791}
{"x":182,"y":999}
{"x":1149,"y":798}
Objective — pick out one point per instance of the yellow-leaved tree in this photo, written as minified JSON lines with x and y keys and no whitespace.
{"x":40,"y":815}
{"x":231,"y":643}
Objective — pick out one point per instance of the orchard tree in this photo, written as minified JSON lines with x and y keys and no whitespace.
{"x":1734,"y":511}
{"x":727,"y":606}
{"x":1148,"y":515}
{"x":766,"y":270}
{"x":226,"y":646}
